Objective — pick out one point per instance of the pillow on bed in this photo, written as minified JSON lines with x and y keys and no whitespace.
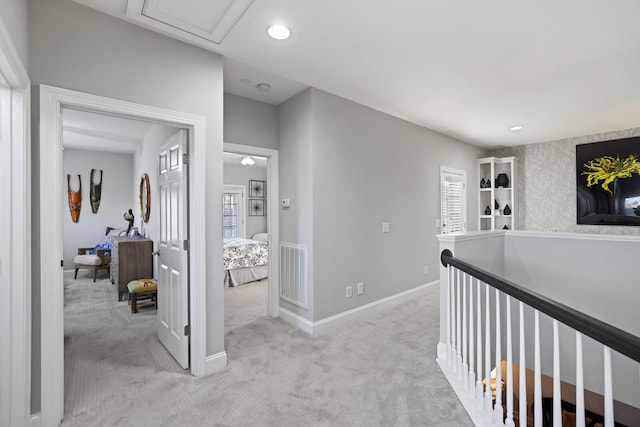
{"x":262,"y":237}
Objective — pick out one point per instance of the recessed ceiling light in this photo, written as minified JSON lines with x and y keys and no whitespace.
{"x":263,"y":87}
{"x":516,"y":128}
{"x":279,"y":32}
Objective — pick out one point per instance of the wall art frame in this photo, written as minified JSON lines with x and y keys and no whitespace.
{"x":608,"y":182}
{"x":257,"y":189}
{"x":256,"y":207}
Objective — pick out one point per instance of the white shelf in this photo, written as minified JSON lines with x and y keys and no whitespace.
{"x":488,"y":169}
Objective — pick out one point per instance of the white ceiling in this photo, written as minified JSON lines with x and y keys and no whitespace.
{"x":100,"y":132}
{"x":87,"y":130}
{"x":467,"y":69}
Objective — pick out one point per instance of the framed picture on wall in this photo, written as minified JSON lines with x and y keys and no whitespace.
{"x":256,"y":207}
{"x":257,"y":189}
{"x":608,"y":182}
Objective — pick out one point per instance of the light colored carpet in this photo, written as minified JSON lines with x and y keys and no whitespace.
{"x":380,"y":371}
{"x":245,"y":304}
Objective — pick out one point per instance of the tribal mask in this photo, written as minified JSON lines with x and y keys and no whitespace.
{"x":75,"y":199}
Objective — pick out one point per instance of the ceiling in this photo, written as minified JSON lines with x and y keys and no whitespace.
{"x":470,"y":70}
{"x":87,"y":130}
{"x":100,"y":132}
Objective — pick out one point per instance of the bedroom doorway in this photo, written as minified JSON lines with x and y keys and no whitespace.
{"x":51,"y":348}
{"x":97,"y":320}
{"x":251,"y":278}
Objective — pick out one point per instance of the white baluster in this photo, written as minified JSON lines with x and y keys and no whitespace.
{"x":472,"y":375}
{"x":608,"y":389}
{"x":488,"y":404}
{"x":452,"y":362}
{"x":557,"y":406}
{"x":498,"y":411}
{"x":522,"y":396}
{"x":509,"y":379}
{"x":537,"y":381}
{"x":479,"y":391}
{"x":580,"y":421}
{"x":465,"y":368}
{"x":450,"y":278}
{"x":458,"y":330}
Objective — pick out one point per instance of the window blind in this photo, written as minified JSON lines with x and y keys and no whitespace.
{"x":453,"y":215}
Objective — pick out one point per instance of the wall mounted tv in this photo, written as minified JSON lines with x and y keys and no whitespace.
{"x":608,"y":182}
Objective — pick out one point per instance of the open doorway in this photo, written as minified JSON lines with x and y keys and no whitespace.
{"x":104,"y":159}
{"x":250,"y":224}
{"x":53,"y":100}
{"x":246,"y":239}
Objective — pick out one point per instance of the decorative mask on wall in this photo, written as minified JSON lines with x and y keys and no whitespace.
{"x":95,"y":192}
{"x":75,"y":199}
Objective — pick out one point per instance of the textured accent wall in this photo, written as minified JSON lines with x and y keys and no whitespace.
{"x":547,"y":184}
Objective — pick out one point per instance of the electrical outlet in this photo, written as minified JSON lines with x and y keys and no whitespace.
{"x":349,"y":291}
{"x":426,"y":270}
{"x":360,"y":288}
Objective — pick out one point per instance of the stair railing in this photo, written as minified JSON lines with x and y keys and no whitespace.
{"x":469,"y":344}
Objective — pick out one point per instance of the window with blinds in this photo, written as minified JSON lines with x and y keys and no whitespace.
{"x":230,"y":215}
{"x":453,"y":200}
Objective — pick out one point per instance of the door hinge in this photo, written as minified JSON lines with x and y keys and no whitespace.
{"x":185,"y":245}
{"x":185,"y":158}
{"x":187,"y":330}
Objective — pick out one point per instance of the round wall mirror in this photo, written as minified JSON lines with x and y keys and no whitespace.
{"x":145,"y":197}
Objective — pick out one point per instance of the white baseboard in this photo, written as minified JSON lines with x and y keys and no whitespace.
{"x":442,"y":351}
{"x":215,"y":363}
{"x":341,"y":319}
{"x":35,"y":420}
{"x":298,"y":321}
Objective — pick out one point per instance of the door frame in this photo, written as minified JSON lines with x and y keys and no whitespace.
{"x":52,"y":101}
{"x":15,"y":253}
{"x":273,"y":215}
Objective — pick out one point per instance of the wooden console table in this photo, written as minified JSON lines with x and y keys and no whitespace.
{"x":131,"y":259}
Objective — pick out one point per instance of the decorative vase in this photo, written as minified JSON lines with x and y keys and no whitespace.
{"x":506,"y":210}
{"x":487,"y":211}
{"x":488,"y":183}
{"x":482,"y":183}
{"x":496,"y":204}
{"x":502,"y":180}
{"x":505,"y":227}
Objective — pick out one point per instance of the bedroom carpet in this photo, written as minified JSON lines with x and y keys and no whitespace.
{"x":245,"y":304}
{"x":380,"y":371}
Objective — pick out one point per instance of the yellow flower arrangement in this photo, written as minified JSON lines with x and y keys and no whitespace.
{"x":609,"y":169}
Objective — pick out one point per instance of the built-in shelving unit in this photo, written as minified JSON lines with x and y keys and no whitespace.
{"x":497,"y":208}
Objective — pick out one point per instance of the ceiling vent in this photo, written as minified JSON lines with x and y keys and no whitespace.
{"x":202,"y":22}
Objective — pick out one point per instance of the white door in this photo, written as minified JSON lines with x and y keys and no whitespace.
{"x":173,"y":277}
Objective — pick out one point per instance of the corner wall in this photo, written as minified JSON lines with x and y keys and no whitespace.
{"x":295,"y":176}
{"x":369,"y":167}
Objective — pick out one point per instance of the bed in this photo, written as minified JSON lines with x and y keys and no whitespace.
{"x":245,"y":260}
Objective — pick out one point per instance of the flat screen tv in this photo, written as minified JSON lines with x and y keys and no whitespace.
{"x":608,"y":182}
